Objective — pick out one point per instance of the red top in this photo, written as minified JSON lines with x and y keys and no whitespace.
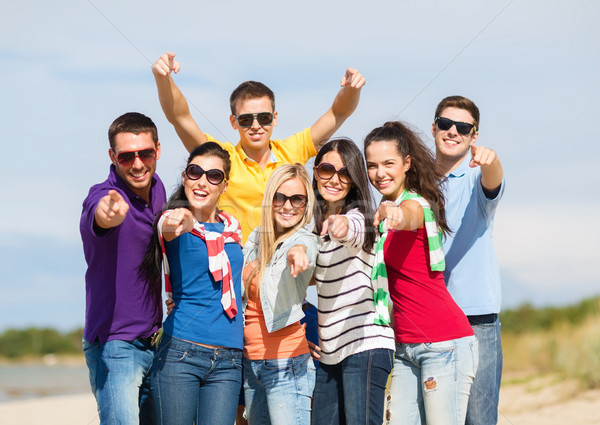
{"x":424,"y":310}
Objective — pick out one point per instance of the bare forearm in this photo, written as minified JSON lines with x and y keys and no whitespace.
{"x":171,"y":99}
{"x":491,"y":175}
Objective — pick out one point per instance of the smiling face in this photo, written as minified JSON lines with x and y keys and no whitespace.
{"x":138,"y":175}
{"x":333,"y":191}
{"x":201,"y":194}
{"x":255,"y":137}
{"x":450,"y":145}
{"x":287,"y":216}
{"x":387,"y":169}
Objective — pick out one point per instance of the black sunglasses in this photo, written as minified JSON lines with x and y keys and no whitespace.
{"x":297,"y":201}
{"x":246,"y":120}
{"x":195,"y":172}
{"x":326,"y":171}
{"x":127,"y":158}
{"x":463,"y":128}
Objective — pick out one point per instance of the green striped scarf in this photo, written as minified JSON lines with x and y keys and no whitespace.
{"x":379,"y":278}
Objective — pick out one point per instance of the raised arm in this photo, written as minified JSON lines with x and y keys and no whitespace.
{"x":491,"y":168}
{"x":173,"y":102}
{"x":343,"y":106}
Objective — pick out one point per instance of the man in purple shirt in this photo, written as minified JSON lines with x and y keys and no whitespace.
{"x":123,"y":310}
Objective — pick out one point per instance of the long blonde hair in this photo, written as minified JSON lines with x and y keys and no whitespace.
{"x":267,"y":241}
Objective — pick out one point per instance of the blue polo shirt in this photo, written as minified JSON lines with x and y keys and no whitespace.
{"x":119,"y":305}
{"x":472,"y":274}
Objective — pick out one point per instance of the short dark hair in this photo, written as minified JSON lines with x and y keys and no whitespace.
{"x":132,"y":122}
{"x":459,"y":102}
{"x":250,"y":90}
{"x":212,"y":149}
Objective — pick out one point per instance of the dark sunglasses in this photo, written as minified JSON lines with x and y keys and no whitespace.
{"x":195,"y":172}
{"x":326,"y":171}
{"x":463,"y":128}
{"x":127,"y":158}
{"x":246,"y":120}
{"x":297,"y":201}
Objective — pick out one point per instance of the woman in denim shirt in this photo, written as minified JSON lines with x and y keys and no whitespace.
{"x":279,"y":373}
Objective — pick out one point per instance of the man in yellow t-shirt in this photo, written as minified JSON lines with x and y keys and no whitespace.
{"x":254,"y":116}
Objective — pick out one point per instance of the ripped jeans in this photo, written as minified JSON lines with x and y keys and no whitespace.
{"x":431,"y":382}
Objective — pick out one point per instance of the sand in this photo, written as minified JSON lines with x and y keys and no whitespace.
{"x":537,"y":402}
{"x":64,"y":410}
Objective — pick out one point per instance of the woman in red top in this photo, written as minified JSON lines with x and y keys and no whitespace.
{"x":436,"y":352}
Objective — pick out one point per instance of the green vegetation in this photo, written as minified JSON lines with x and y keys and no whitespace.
{"x":34,"y":342}
{"x":562,"y":341}
{"x":529,"y":319}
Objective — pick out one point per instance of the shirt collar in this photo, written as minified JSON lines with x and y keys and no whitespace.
{"x":117,"y":181}
{"x":272,"y":157}
{"x":462,"y":167}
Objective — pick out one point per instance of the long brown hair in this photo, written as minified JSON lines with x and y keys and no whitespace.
{"x":358,"y":196}
{"x":422,"y":177}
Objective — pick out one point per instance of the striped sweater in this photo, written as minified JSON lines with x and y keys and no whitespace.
{"x":346,"y":306}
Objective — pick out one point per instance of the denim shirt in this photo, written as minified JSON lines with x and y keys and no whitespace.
{"x":281,"y":295}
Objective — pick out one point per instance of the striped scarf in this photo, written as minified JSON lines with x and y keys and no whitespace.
{"x":379,"y":278}
{"x":218,"y":261}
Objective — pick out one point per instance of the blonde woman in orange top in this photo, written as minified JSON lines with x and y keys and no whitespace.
{"x":279,"y":374}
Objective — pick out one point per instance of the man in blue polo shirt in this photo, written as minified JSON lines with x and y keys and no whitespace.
{"x":123,"y":311}
{"x":475,"y":185}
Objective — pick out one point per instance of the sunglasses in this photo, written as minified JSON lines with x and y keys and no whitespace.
{"x":463,"y":128}
{"x":195,"y":172}
{"x":246,"y":120}
{"x":326,"y":171}
{"x":127,"y":158}
{"x":297,"y":201}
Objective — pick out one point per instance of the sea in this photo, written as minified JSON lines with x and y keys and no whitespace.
{"x":20,"y":382}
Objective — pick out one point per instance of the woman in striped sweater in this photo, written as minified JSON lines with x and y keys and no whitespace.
{"x":355,"y":354}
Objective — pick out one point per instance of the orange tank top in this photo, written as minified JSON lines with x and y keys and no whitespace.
{"x":259,"y":344}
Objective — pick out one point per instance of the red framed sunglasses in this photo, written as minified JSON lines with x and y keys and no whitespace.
{"x":127,"y":158}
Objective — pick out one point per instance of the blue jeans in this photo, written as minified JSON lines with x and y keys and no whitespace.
{"x":431,"y":382}
{"x":352,"y":391}
{"x":120,"y":380}
{"x":279,"y":391}
{"x":485,"y":392}
{"x":195,"y":384}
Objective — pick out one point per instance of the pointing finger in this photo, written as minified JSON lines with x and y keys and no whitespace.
{"x":325,"y":228}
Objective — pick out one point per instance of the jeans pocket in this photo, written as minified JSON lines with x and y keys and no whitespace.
{"x":236,"y":362}
{"x":440,"y":347}
{"x":278,"y":364}
{"x":175,"y":354}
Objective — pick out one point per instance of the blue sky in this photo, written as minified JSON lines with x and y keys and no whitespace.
{"x":67,"y":70}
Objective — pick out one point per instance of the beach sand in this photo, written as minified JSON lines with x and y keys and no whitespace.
{"x":538,"y":402}
{"x":77,"y":409}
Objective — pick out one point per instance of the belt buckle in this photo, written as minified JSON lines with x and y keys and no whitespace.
{"x":156,"y":337}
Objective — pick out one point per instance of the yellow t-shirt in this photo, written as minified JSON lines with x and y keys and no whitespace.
{"x":247,"y":181}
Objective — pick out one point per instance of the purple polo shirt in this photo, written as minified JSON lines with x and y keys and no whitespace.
{"x":119,"y":304}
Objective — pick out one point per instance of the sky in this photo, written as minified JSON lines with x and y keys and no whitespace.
{"x":68,"y":69}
